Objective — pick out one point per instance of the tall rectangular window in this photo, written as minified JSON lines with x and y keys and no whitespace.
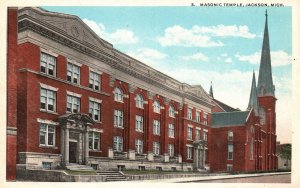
{"x":138,"y":146}
{"x":171,"y":131}
{"x":94,"y":140}
{"x":189,"y":152}
{"x":139,"y":123}
{"x":94,"y":82}
{"x":73,"y":73}
{"x":230,"y":151}
{"x":156,"y":148}
{"x":205,"y":119}
{"x":156,"y":127}
{"x":190,"y":133}
{"x":48,"y":100}
{"x":73,"y":104}
{"x":171,"y":150}
{"x":205,"y":135}
{"x":190,"y":113}
{"x":118,"y":143}
{"x":47,"y":135}
{"x":197,"y":134}
{"x":198,"y":117}
{"x":94,"y":110}
{"x":118,"y":118}
{"x":48,"y":64}
{"x":251,"y":149}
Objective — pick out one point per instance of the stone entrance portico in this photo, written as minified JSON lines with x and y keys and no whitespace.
{"x":75,"y":138}
{"x":199,"y":154}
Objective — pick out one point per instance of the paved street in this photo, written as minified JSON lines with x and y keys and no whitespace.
{"x":261,"y":179}
{"x":279,"y":177}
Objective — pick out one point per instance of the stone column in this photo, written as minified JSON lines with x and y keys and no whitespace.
{"x":80,"y":149}
{"x":196,"y":157}
{"x":62,"y":146}
{"x":66,"y":146}
{"x":86,"y":147}
{"x":203,"y":157}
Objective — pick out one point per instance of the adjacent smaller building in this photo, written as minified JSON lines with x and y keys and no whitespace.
{"x":284,"y":154}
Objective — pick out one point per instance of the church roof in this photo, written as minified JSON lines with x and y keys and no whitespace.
{"x":265,"y":85}
{"x":253,"y":103}
{"x":225,"y":107}
{"x":229,"y":119}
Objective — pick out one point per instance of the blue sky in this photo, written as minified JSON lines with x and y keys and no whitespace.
{"x":198,"y":45}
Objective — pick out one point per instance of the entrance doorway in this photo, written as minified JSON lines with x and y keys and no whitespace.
{"x":72,"y":152}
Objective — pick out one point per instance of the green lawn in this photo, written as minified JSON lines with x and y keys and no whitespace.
{"x":74,"y":172}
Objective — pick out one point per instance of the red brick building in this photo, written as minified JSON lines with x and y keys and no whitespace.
{"x":246,"y":140}
{"x":73,"y":98}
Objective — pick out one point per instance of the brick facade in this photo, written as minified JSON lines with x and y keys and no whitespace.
{"x":27,"y":41}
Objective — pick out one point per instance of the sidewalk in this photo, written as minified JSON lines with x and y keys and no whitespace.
{"x":212,"y":177}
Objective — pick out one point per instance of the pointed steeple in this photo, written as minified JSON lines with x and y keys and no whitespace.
{"x":253,"y":103}
{"x":265,"y":85}
{"x":211,"y":93}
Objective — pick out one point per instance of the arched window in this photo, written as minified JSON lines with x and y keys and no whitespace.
{"x":156,"y":107}
{"x":171,"y":111}
{"x":118,"y":93}
{"x":139,"y":101}
{"x":262,"y":115}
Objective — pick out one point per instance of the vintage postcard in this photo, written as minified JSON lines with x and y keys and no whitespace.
{"x":191,"y":92}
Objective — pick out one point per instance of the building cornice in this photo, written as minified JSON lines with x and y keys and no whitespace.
{"x":27,"y":22}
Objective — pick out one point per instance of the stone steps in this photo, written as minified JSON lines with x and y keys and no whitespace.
{"x":112,"y":175}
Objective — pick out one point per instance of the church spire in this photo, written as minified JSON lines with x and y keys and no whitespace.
{"x":211,"y":93}
{"x":265,"y":85}
{"x":253,"y":103}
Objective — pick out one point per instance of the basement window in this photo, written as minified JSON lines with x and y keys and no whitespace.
{"x":46,"y":165}
{"x":142,"y":168}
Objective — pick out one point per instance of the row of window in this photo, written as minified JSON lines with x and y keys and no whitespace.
{"x":198,"y":116}
{"x":47,"y":138}
{"x":48,"y":66}
{"x":48,"y":103}
{"x":197,"y":134}
{"x":139,"y":102}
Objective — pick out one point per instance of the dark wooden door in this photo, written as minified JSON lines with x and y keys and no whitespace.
{"x":72,"y":152}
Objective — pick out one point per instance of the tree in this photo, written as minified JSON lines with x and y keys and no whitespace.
{"x":286,"y":152}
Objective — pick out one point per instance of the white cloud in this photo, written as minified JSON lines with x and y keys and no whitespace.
{"x":123,"y":36}
{"x":179,"y":36}
{"x":98,"y":28}
{"x":228,"y":60}
{"x":225,"y":31}
{"x":120,"y":36}
{"x":200,"y":36}
{"x":149,"y":56}
{"x":195,"y":57}
{"x":224,"y":55}
{"x":278,"y":58}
